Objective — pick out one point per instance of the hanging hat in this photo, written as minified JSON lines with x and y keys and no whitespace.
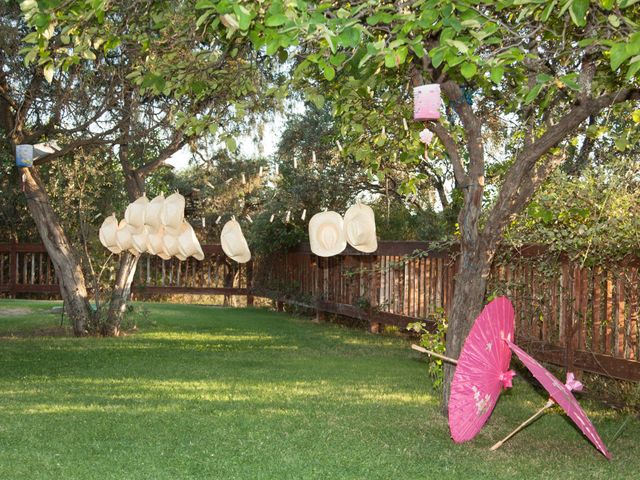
{"x":155,"y":241}
{"x":360,"y":228}
{"x":326,"y":234}
{"x":153,"y":214}
{"x":188,"y":242}
{"x":124,"y":237}
{"x":136,"y":211}
{"x":170,"y":243}
{"x":108,"y":232}
{"x":140,"y":240}
{"x":234,"y":245}
{"x":173,"y":212}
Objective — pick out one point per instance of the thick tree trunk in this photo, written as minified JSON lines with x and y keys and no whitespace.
{"x":468,"y":298}
{"x":120,"y":294}
{"x":65,"y":261}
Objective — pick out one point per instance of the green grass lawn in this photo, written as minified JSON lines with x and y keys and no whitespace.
{"x":206,"y":392}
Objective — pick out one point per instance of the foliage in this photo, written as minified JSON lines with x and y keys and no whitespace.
{"x":433,"y":339}
{"x":595,"y":218}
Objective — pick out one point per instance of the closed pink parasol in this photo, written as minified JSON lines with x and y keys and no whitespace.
{"x":483,"y":370}
{"x":561,"y":394}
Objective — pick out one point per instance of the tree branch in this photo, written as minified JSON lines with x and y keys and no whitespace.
{"x":452,"y":150}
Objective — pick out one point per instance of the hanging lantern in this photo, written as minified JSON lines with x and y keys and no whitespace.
{"x":24,"y":155}
{"x":426,"y":102}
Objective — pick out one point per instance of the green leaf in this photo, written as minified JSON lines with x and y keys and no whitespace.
{"x":619,"y":54}
{"x":543,"y":78}
{"x":468,"y":70}
{"x":578,"y":12}
{"x":614,"y":20}
{"x":496,"y":74}
{"x":329,"y":72}
{"x":461,"y":46}
{"x":231,"y":144}
{"x":607,"y":4}
{"x":48,"y":72}
{"x":276,"y":20}
{"x":533,"y":93}
{"x":636,"y":116}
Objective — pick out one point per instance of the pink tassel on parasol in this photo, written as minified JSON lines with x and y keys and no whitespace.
{"x":561,"y":394}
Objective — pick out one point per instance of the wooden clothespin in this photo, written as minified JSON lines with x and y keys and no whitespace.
{"x":218,"y":219}
{"x":304,"y":214}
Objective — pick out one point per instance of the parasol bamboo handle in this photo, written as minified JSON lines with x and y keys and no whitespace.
{"x":434,"y":354}
{"x":523,"y":424}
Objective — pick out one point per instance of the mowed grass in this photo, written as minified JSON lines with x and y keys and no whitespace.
{"x":207,"y":393}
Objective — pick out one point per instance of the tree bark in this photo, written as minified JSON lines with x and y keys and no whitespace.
{"x":120,"y":294}
{"x":63,"y":256}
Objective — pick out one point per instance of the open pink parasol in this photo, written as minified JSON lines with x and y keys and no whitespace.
{"x":482,"y":371}
{"x":561,"y":394}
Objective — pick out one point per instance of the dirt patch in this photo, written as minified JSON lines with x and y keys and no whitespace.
{"x":15,"y":311}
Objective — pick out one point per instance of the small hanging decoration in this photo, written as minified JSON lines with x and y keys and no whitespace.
{"x":313,"y":156}
{"x":203,"y":222}
{"x":277,"y":169}
{"x":426,"y":136}
{"x":273,"y":215}
{"x":244,"y":179}
{"x":218,"y":219}
{"x":426,"y":102}
{"x":24,"y":155}
{"x":339,"y":145}
{"x":304,"y":214}
{"x":288,"y":216}
{"x":404,"y":124}
{"x":260,"y":172}
{"x":295,"y":162}
{"x":249,"y":218}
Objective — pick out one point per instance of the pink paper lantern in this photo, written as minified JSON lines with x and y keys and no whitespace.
{"x":426,"y":102}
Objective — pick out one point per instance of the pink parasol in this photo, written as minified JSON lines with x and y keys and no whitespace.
{"x":482,"y":371}
{"x":561,"y":394}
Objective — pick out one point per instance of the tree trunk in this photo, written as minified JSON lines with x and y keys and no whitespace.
{"x":65,"y":261}
{"x":468,"y":298}
{"x":120,"y":294}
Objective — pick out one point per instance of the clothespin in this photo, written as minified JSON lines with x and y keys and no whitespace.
{"x":339,"y":146}
{"x":228,"y":181}
{"x":288,"y":216}
{"x":404,"y":124}
{"x":273,"y":215}
{"x":277,"y":169}
{"x":384,"y":132}
{"x":304,"y":214}
{"x":208,"y":184}
{"x":295,"y":162}
{"x":249,"y":218}
{"x":244,"y":179}
{"x":260,"y":172}
{"x":233,"y":217}
{"x":218,"y":219}
{"x":313,"y":156}
{"x":203,"y":222}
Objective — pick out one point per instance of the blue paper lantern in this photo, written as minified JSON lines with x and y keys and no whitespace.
{"x":24,"y":155}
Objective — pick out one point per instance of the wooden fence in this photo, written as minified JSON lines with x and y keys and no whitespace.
{"x":566,"y":313}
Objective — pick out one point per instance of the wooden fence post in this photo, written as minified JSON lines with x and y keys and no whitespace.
{"x":13,"y":268}
{"x":250,"y":284}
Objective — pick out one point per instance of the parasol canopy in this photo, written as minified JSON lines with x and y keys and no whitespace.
{"x":482,"y":371}
{"x":561,"y":394}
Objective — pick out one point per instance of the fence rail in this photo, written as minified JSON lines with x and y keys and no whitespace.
{"x":567,"y":314}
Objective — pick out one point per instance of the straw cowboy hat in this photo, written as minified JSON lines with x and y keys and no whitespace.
{"x":360,"y":228}
{"x":136,"y":212}
{"x":124,"y":237}
{"x":173,"y":211}
{"x":188,"y":243}
{"x":234,"y":245}
{"x":171,"y":246}
{"x":326,"y":234}
{"x":155,"y":241}
{"x":140,"y":240}
{"x":107,"y":234}
{"x":153,"y":215}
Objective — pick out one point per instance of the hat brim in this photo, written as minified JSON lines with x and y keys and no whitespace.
{"x":364,"y":213}
{"x":316,"y":224}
